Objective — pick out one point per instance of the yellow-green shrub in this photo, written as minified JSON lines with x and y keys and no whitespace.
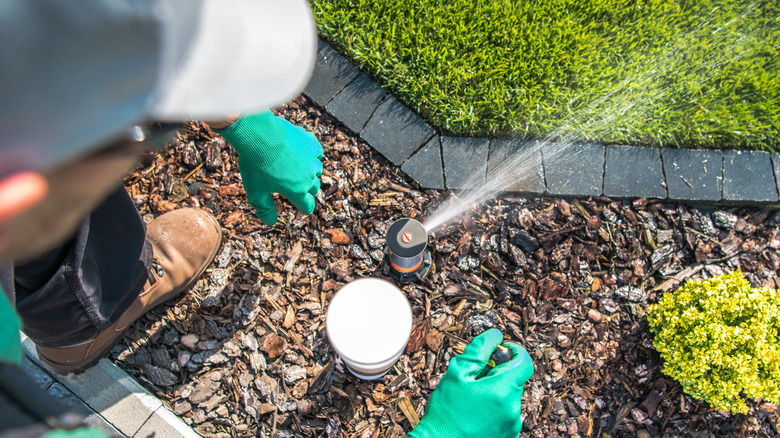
{"x":720,"y":338}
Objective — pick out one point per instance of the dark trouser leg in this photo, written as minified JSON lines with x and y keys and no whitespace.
{"x":74,"y":292}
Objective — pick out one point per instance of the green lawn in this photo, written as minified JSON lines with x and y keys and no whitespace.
{"x":652,"y":72}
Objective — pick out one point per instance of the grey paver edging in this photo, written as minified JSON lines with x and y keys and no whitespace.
{"x":438,"y":161}
{"x":108,"y":398}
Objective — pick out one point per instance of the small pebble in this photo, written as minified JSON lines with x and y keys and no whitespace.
{"x":595,"y":316}
{"x":294,"y":374}
{"x":190,"y":341}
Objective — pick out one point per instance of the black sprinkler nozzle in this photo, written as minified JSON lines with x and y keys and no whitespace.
{"x":501,"y":355}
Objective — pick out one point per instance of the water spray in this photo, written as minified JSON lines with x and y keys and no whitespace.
{"x":407,"y":251}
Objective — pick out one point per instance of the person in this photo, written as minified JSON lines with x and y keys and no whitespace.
{"x":87,"y":80}
{"x":87,"y":86}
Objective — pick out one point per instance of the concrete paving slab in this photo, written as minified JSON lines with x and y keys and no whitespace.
{"x":112,"y":393}
{"x":516,"y":166}
{"x":396,"y":131}
{"x":694,"y":174}
{"x":748,"y":176}
{"x":465,"y":161}
{"x":332,"y":74}
{"x":425,"y":166}
{"x":163,"y":423}
{"x":634,"y":172}
{"x":573,"y":169}
{"x":91,"y":418}
{"x":357,"y":102}
{"x":118,"y":397}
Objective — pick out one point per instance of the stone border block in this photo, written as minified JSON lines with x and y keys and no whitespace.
{"x":332,"y":73}
{"x":425,"y":166}
{"x":121,"y":400}
{"x":465,"y":161}
{"x":634,"y":172}
{"x":110,"y":392}
{"x":357,"y":102}
{"x":395,"y":131}
{"x":573,"y":169}
{"x":516,"y":166}
{"x":748,"y":176}
{"x":91,"y":418}
{"x":776,"y":167}
{"x":694,"y":174}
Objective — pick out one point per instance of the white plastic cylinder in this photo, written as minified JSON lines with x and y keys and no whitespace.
{"x":368,"y":323}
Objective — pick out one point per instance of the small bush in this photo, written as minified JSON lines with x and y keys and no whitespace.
{"x":720,"y":338}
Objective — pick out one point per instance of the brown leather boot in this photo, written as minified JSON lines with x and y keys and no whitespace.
{"x":184,"y":242}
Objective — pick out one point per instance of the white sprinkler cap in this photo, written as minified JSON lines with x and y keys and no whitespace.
{"x":369,"y":322}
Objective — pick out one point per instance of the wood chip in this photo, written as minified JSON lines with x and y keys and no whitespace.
{"x":273,"y":345}
{"x":338,"y":236}
{"x":408,"y":410}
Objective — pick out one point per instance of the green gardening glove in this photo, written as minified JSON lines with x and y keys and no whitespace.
{"x":10,"y":343}
{"x":472,"y":402}
{"x":275,"y":156}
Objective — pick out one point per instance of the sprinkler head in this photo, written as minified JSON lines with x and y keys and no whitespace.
{"x":407,"y":251}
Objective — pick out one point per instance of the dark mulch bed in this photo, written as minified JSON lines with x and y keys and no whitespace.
{"x":245,"y":352}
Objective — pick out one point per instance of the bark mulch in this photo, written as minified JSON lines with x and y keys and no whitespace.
{"x":245,"y":352}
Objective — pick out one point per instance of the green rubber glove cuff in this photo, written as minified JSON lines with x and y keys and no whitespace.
{"x":258,"y":139}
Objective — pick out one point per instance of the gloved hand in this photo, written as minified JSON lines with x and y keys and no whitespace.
{"x":470,"y":403}
{"x":275,"y":156}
